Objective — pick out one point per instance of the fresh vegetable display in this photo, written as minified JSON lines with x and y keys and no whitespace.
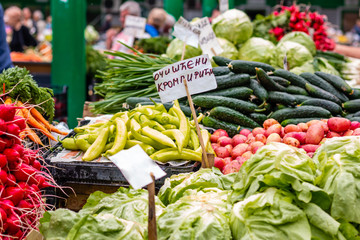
{"x":22,"y":179}
{"x":163,"y":135}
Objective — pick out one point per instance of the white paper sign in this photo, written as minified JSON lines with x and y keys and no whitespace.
{"x":197,"y":71}
{"x":136,"y":166}
{"x":134,"y":26}
{"x":186,"y":32}
{"x":207,"y":39}
{"x":223,"y":5}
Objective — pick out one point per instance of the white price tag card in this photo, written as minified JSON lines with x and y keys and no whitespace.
{"x":197,"y":71}
{"x":186,"y":32}
{"x":136,"y":166}
{"x":134,"y":26}
{"x":223,"y":5}
{"x":207,"y":39}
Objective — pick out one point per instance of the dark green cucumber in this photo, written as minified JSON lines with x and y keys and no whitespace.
{"x":279,"y":106}
{"x":218,"y":71}
{"x":185,"y":109}
{"x":221,"y":61}
{"x":282,"y":97}
{"x":292,"y":77}
{"x":214,"y":101}
{"x":297,"y":121}
{"x":241,"y":66}
{"x":235,"y":92}
{"x":336,"y":81}
{"x":356,"y":114}
{"x":232,"y":80}
{"x":280,"y":80}
{"x":233,"y":116}
{"x":332,"y":107}
{"x":132,"y":101}
{"x":321,"y":83}
{"x":352,"y":105}
{"x":296,"y":90}
{"x":356,"y":94}
{"x":258,"y":117}
{"x":331,"y":54}
{"x":301,"y":98}
{"x":230,"y":128}
{"x":267,"y":82}
{"x":320,"y":93}
{"x":300,"y":112}
{"x":355,"y":119}
{"x":259,"y":91}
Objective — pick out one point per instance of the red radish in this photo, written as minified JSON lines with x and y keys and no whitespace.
{"x":218,"y":133}
{"x":232,"y":167}
{"x":3,"y":177}
{"x":8,"y":142}
{"x":24,"y":204}
{"x":310,"y":147}
{"x":332,"y":134}
{"x":14,"y":194}
{"x":11,"y":180}
{"x":3,"y":215}
{"x":314,"y":134}
{"x":274,"y":137}
{"x":269,"y":122}
{"x":238,"y":150}
{"x":7,"y":206}
{"x":213,"y":145}
{"x":19,"y":234}
{"x":292,"y":128}
{"x":222,"y":152}
{"x":303,"y":126}
{"x":20,"y":121}
{"x":258,"y":130}
{"x":245,"y":132}
{"x":292,"y":141}
{"x":354,"y":125}
{"x":356,"y":132}
{"x":7,"y":112}
{"x":348,"y":133}
{"x":19,"y":149}
{"x":2,"y":144}
{"x":247,"y":155}
{"x":13,"y":129}
{"x":3,"y":160}
{"x":11,"y":154}
{"x":300,"y":136}
{"x":229,"y":148}
{"x":24,"y":172}
{"x":239,"y":138}
{"x":37,"y":165}
{"x":223,"y":141}
{"x":14,"y":224}
{"x":338,"y":124}
{"x":219,"y":163}
{"x":275,"y":128}
{"x":260,"y":138}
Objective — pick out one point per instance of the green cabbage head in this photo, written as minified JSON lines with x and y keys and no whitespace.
{"x":301,"y":38}
{"x":230,"y":50}
{"x":296,"y":54}
{"x":175,"y":48}
{"x":234,"y":25}
{"x":256,"y":49}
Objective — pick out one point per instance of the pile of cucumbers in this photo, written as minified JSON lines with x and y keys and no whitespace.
{"x":248,"y":93}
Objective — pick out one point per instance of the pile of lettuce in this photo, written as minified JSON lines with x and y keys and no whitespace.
{"x":279,"y":193}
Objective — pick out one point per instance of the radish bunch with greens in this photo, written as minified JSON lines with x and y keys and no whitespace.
{"x":21,"y":179}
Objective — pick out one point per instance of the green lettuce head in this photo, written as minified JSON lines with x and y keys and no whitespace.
{"x":322,"y":64}
{"x":230,"y":50}
{"x":256,"y":49}
{"x":301,"y":38}
{"x":296,"y":54}
{"x":306,"y":67}
{"x":234,"y":25}
{"x":175,"y":49}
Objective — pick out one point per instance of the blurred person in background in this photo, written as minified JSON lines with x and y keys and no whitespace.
{"x":5,"y":60}
{"x":168,"y":25}
{"x":155,"y":22}
{"x":28,"y":21}
{"x":113,"y":35}
{"x":107,"y":24}
{"x":40,"y":24}
{"x":21,"y":36}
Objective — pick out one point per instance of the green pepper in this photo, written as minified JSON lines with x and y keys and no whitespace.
{"x":146,"y":111}
{"x":136,"y":116}
{"x":82,"y":144}
{"x":144,"y":121}
{"x":120,"y":138}
{"x":206,"y":139}
{"x":169,"y":126}
{"x":199,"y":118}
{"x":135,"y":131}
{"x":170,"y":154}
{"x":69,"y":143}
{"x":87,"y":127}
{"x":158,"y":136}
{"x":194,"y":139}
{"x":177,"y":135}
{"x":117,"y":115}
{"x":108,"y":146}
{"x":184,"y":125}
{"x":147,"y":148}
{"x":95,"y":150}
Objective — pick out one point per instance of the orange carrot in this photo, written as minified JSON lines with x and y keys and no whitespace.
{"x":33,"y":136}
{"x":35,"y":113}
{"x":8,"y":101}
{"x":32,"y":121}
{"x":54,"y":129}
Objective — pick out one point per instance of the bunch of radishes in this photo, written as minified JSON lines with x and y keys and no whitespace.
{"x":231,"y":153}
{"x":21,"y":179}
{"x":309,"y":22}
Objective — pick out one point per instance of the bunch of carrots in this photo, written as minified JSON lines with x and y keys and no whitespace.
{"x":35,"y":120}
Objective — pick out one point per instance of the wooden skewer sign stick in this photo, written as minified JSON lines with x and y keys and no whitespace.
{"x":203,"y":147}
{"x":152,"y":232}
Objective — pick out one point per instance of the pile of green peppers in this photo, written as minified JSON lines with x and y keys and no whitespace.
{"x":163,"y":135}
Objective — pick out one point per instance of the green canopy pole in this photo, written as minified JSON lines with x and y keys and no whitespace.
{"x":208,"y":6}
{"x":174,"y":7}
{"x":69,"y":64}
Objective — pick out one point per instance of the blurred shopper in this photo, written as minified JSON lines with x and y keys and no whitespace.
{"x":107,"y":24}
{"x":155,"y":22}
{"x":40,"y":24}
{"x":348,"y":50}
{"x":168,"y":25}
{"x":5,"y":60}
{"x":28,"y":21}
{"x":21,"y":36}
{"x":214,"y":14}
